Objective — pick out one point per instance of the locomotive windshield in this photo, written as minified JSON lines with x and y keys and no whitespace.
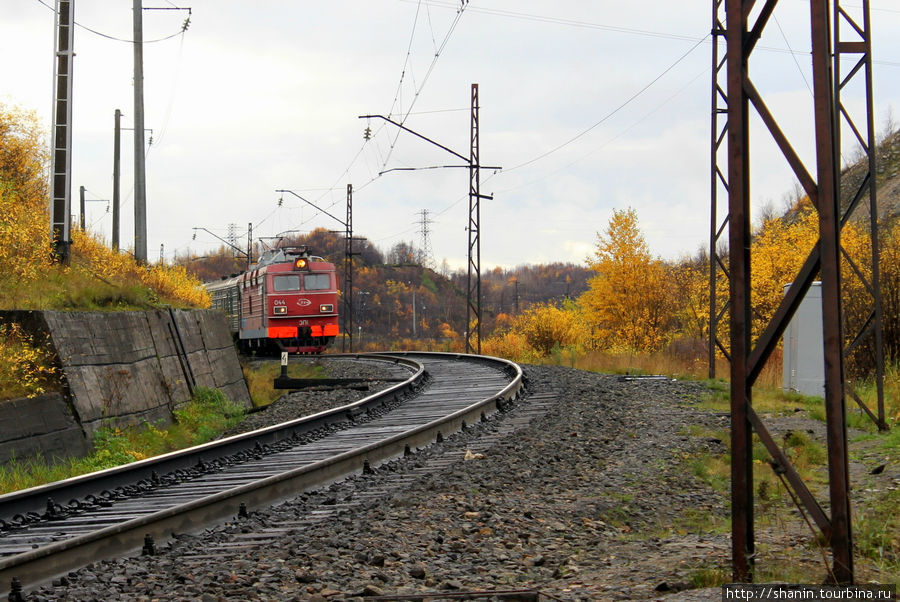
{"x":311,"y":282}
{"x":290,"y":282}
{"x":317,"y":282}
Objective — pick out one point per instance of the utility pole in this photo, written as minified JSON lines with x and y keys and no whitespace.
{"x":61,"y":157}
{"x":249,"y":245}
{"x":516,"y":284}
{"x":140,"y":178}
{"x":718,"y":224}
{"x":232,"y":238}
{"x":473,"y":278}
{"x":82,"y":192}
{"x":117,"y":153}
{"x":348,"y":272}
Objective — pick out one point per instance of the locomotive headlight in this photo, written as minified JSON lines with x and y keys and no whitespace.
{"x":326,"y":308}
{"x":302,"y":263}
{"x":280,"y":310}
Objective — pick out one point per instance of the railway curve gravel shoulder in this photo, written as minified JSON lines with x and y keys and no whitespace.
{"x":445,"y":393}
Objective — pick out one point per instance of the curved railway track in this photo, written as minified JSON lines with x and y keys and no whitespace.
{"x":119,"y":510}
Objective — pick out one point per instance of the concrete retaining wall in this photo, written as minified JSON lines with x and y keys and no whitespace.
{"x":40,"y":426}
{"x":125,"y":368}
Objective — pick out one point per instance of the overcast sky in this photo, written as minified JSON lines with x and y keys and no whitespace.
{"x":588,"y":105}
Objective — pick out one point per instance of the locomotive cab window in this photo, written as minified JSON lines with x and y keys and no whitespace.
{"x":317,"y":282}
{"x":290,"y":282}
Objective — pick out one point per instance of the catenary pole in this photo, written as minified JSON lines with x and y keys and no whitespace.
{"x":140,"y":180}
{"x":61,"y":157}
{"x":117,"y":154}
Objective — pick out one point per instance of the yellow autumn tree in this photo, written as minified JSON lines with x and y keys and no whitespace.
{"x":690,"y":278}
{"x":24,"y":224}
{"x":780,"y":246}
{"x":537,"y":332}
{"x":890,"y":291}
{"x":546,"y":326}
{"x":629,"y":304}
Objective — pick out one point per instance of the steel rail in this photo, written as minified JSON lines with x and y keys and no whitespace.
{"x":35,"y":499}
{"x":36,"y":566}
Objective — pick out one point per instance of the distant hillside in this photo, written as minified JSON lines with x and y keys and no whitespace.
{"x":385,"y":285}
{"x":887,"y":180}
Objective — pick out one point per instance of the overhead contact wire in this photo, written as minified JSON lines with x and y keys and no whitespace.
{"x":611,"y":113}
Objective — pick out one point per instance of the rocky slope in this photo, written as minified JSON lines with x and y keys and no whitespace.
{"x":590,"y":497}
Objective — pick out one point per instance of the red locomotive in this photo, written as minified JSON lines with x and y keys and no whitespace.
{"x":288,"y":302}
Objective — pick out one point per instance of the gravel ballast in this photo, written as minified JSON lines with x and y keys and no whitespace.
{"x":586,"y":498}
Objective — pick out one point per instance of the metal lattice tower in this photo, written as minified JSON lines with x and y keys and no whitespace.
{"x":427,"y":252}
{"x":473,"y":278}
{"x":852,"y":34}
{"x":61,"y":157}
{"x":747,"y":357}
{"x":347,"y":293}
{"x":718,"y":307}
{"x":232,"y":238}
{"x":473,"y":225}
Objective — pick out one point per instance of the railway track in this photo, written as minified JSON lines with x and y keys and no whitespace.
{"x":121,"y":510}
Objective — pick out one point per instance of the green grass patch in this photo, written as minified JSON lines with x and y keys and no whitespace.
{"x":260,"y":377}
{"x":786,"y":572}
{"x":698,"y":520}
{"x":202,"y":419}
{"x":78,"y":288}
{"x":876,"y":534}
{"x":887,"y":441}
{"x":709,"y":577}
{"x":712,"y":469}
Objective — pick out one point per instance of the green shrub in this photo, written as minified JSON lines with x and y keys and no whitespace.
{"x":202,"y":419}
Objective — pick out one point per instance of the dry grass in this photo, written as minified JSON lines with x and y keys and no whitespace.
{"x":662,"y":362}
{"x":261,"y":375}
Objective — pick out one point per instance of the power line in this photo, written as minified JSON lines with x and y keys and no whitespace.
{"x":428,"y":73}
{"x":605,"y":118}
{"x":418,"y":90}
{"x":617,"y":29}
{"x":184,"y":28}
{"x":611,"y":113}
{"x":412,"y":37}
{"x":607,"y":142}
{"x":788,"y":44}
{"x":561,"y":21}
{"x":581,"y":134}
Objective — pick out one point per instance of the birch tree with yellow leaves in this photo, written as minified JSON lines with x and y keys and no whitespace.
{"x":24,"y":225}
{"x":629,"y":305}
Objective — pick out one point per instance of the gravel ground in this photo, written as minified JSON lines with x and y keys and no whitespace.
{"x":309,"y":401}
{"x":591,"y":500}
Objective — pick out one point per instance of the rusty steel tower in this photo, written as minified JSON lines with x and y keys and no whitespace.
{"x":835,"y":33}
